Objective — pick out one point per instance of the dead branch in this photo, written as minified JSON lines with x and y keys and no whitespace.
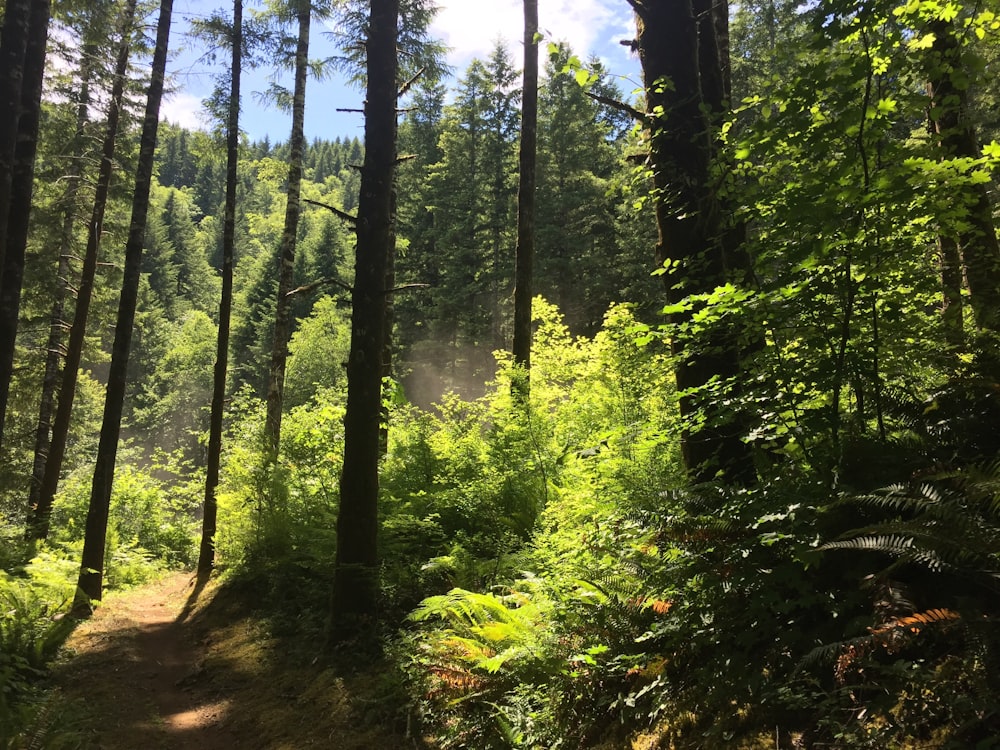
{"x":620,"y":106}
{"x":352,"y":220}
{"x":317,"y":284}
{"x":407,"y":287}
{"x":409,"y":84}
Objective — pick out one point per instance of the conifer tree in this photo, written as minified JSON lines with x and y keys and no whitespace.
{"x":525,"y":251}
{"x":286,"y":268}
{"x":684,"y":75}
{"x":90,"y":586}
{"x":206,"y":553}
{"x":74,"y":347}
{"x":15,"y":235}
{"x":355,"y":588}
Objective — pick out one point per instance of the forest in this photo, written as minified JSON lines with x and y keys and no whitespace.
{"x":579,"y":416}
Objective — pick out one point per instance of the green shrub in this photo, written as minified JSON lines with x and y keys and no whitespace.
{"x":34,"y":603}
{"x":148,"y":528}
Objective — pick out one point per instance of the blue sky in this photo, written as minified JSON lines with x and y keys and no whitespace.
{"x":469,"y":28}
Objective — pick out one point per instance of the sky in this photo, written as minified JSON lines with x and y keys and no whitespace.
{"x":469,"y":28}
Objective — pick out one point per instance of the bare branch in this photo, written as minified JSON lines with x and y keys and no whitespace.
{"x":607,"y":101}
{"x":346,"y":109}
{"x":316,"y":284}
{"x":405,"y":157}
{"x":352,"y":220}
{"x":409,"y":84}
{"x":407,"y":287}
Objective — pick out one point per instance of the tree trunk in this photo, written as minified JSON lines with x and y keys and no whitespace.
{"x":691,"y":233}
{"x":13,"y":42}
{"x":524,"y":255}
{"x":283,"y":308}
{"x":952,"y":281}
{"x":77,"y":334}
{"x":355,"y":588}
{"x":957,"y":138}
{"x":37,"y":527}
{"x":387,"y":342}
{"x":92,"y":564}
{"x":206,"y":554}
{"x":22,"y":183}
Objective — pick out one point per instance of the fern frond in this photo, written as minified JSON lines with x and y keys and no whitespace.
{"x":918,"y":620}
{"x":894,"y":545}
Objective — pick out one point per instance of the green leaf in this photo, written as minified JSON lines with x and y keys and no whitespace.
{"x":924,"y":42}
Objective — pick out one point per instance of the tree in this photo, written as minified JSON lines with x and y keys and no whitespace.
{"x":974,"y":247}
{"x":355,"y":587}
{"x":470,"y":195}
{"x":283,"y":309}
{"x":684,"y":79}
{"x":74,"y":347}
{"x":92,"y":563}
{"x":97,"y":24}
{"x":206,"y":553}
{"x":13,"y":43}
{"x":15,"y":237}
{"x":578,"y":157}
{"x":525,"y":251}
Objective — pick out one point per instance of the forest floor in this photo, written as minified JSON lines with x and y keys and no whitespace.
{"x":174,"y":665}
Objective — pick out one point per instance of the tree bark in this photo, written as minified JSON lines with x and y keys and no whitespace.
{"x":952,"y":281}
{"x":675,"y":43}
{"x":13,"y":43}
{"x":92,"y":564}
{"x":355,"y":588}
{"x":524,"y":255}
{"x":387,"y":342}
{"x":206,"y":554}
{"x":978,"y":244}
{"x":37,"y":527}
{"x":78,"y":331}
{"x":283,"y":308}
{"x":22,"y":183}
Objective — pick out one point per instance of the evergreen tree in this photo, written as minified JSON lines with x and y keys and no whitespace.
{"x":77,"y":334}
{"x":14,"y":236}
{"x":471,"y":193}
{"x":282,"y":317}
{"x":576,"y":203}
{"x":96,"y":27}
{"x":525,"y":252}
{"x":90,"y":586}
{"x":679,"y":43}
{"x":355,"y":587}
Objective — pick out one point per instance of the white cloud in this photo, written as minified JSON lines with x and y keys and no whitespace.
{"x":470,"y":28}
{"x":184,"y":109}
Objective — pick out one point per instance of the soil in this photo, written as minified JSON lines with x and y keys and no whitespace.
{"x":173,"y":665}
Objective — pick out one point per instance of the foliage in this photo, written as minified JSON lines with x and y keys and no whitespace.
{"x":150,"y":526}
{"x":478,"y":670}
{"x":932,"y":648}
{"x":277,"y":519}
{"x":34,"y":601}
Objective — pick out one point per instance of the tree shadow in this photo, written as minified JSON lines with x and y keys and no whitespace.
{"x":200,"y":581}
{"x":214,"y":675}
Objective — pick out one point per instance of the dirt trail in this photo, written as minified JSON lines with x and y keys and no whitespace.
{"x":138,"y":670}
{"x":172,"y":666}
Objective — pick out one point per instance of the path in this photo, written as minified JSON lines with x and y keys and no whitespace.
{"x":138,"y":671}
{"x":168,"y":667}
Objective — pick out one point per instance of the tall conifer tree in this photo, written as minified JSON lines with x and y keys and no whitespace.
{"x":355,"y":588}
{"x":91,"y":579}
{"x":49,"y":481}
